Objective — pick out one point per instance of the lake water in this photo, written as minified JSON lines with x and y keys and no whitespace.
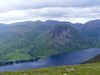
{"x":71,"y":58}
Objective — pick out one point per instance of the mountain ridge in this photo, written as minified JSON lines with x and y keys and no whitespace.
{"x":28,"y":40}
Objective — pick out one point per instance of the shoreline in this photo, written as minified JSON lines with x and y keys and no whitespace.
{"x":18,"y":62}
{"x":93,"y":60}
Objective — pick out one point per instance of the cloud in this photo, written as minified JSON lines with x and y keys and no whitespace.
{"x":58,"y":13}
{"x":6,"y":5}
{"x":71,"y":10}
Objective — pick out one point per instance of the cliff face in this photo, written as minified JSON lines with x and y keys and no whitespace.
{"x":61,"y":38}
{"x":65,"y":35}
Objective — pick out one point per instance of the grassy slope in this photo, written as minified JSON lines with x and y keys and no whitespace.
{"x":87,"y":69}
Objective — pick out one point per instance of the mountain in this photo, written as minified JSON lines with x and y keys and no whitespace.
{"x":92,"y":30}
{"x":62,"y":38}
{"x":29,"y":40}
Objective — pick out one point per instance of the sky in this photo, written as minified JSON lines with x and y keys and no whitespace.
{"x":64,"y":10}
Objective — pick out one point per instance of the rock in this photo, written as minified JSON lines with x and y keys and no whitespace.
{"x":70,"y":69}
{"x":65,"y":74}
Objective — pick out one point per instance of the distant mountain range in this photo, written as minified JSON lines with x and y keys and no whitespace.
{"x":92,"y":30}
{"x":29,"y":40}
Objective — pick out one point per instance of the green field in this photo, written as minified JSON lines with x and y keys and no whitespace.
{"x":86,"y":69}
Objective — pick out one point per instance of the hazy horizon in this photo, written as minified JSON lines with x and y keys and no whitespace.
{"x":48,"y":20}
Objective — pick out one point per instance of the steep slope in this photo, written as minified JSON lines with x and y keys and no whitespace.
{"x":61,"y":38}
{"x":95,"y":59}
{"x":18,"y":39}
{"x":29,"y":40}
{"x":92,"y":30}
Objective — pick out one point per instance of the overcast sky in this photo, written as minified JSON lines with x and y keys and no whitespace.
{"x":64,"y":10}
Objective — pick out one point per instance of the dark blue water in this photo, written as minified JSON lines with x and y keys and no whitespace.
{"x":71,"y":58}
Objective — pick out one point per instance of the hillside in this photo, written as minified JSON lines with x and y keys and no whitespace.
{"x":61,"y":38}
{"x":91,"y":30}
{"x":29,"y":40}
{"x":93,"y":60}
{"x":86,"y":69}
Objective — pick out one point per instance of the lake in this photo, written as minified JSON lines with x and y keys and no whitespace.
{"x":70,"y":58}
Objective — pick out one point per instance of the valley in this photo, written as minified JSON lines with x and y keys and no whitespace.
{"x":30,"y":40}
